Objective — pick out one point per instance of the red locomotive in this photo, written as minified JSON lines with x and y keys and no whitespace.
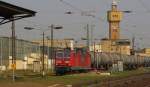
{"x":72,"y":60}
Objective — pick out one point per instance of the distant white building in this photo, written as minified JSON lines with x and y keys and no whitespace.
{"x":96,"y":48}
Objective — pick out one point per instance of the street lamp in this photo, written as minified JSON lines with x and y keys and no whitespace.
{"x":127,"y":11}
{"x":52,"y":27}
{"x":43,"y":34}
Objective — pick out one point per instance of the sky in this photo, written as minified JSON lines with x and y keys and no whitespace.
{"x":50,"y":12}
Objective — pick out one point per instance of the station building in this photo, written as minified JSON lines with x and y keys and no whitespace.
{"x":121,"y":46}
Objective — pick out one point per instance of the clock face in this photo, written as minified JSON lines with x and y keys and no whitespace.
{"x":114,"y":16}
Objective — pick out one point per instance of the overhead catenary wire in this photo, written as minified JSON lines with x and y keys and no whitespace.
{"x":82,"y":12}
{"x":144,"y":6}
{"x":70,"y":5}
{"x":34,"y":23}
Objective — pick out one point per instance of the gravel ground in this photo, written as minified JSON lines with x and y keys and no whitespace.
{"x":142,"y":80}
{"x":132,"y":81}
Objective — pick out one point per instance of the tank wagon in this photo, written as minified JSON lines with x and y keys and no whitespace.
{"x":105,"y":61}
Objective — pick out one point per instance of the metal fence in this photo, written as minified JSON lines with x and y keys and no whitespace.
{"x":23,"y":49}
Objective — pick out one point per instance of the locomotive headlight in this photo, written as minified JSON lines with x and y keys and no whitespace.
{"x":59,"y":61}
{"x":66,"y":61}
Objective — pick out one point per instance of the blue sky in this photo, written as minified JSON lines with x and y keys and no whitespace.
{"x":53,"y":12}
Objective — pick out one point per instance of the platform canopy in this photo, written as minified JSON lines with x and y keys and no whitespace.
{"x":9,"y":12}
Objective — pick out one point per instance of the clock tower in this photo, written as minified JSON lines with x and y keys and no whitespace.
{"x":114,"y":16}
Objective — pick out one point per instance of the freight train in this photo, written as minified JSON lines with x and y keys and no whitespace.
{"x":79,"y":60}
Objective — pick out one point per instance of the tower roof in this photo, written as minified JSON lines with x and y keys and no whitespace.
{"x":114,"y":2}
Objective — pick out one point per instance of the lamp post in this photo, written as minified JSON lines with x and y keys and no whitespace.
{"x":48,"y":52}
{"x":43,"y":48}
{"x":52,"y":27}
{"x":13,"y":50}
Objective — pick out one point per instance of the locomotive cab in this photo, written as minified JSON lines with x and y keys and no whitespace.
{"x":62,"y":61}
{"x":63,"y":57}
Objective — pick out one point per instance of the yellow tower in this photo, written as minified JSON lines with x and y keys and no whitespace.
{"x":114,"y":18}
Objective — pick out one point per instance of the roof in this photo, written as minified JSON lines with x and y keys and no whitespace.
{"x":19,"y":40}
{"x":9,"y":11}
{"x":123,"y":42}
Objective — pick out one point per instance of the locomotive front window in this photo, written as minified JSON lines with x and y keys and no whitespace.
{"x":59,"y":54}
{"x":66,"y":53}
